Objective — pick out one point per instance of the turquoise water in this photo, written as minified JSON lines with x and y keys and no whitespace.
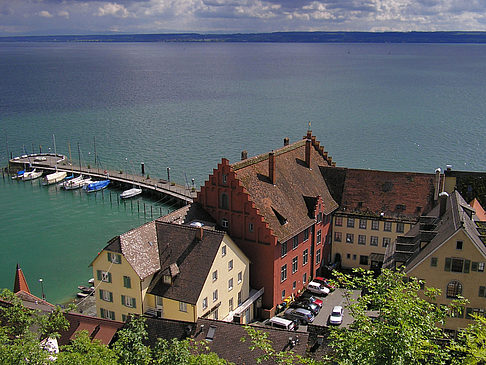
{"x":185,"y":106}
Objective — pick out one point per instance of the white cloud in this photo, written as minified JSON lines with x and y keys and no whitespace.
{"x":63,"y":13}
{"x":45,"y":14}
{"x":113,"y":9}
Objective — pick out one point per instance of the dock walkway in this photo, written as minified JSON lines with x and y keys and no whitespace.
{"x":48,"y":162}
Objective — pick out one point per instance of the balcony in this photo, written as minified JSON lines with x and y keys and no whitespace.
{"x":154,"y":312}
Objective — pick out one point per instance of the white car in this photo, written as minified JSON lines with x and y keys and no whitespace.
{"x":336,"y":316}
{"x":315,"y":287}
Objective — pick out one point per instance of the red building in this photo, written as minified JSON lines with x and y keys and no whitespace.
{"x":276,"y":207}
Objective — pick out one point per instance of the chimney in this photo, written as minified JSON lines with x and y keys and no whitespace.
{"x":286,"y":141}
{"x":271,"y":167}
{"x":442,"y":203}
{"x":244,"y":155}
{"x":308,"y":152}
{"x":199,"y":233}
{"x":437,"y":184}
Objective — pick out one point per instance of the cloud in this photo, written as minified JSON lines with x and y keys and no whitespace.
{"x":113,"y":9}
{"x":45,"y":14}
{"x":63,"y":13}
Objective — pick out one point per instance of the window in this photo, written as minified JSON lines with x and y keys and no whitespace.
{"x":350,"y":223}
{"x":224,"y":201}
{"x":223,"y":251}
{"x":305,"y":256}
{"x":295,"y":263}
{"x":306,"y":234}
{"x":224,"y":223}
{"x":375,"y":225}
{"x":454,"y":289}
{"x":182,"y":307}
{"x":319,"y":217}
{"x":167,"y":279}
{"x":106,"y":295}
{"x":338,"y":236}
{"x":354,"y":257}
{"x":114,"y":257}
{"x":374,"y":241}
{"x":386,"y":241}
{"x":240,"y":277}
{"x":250,"y":227}
{"x":104,"y":276}
{"x":459,"y":245}
{"x":363,"y":260}
{"x":230,"y":284}
{"x":433,"y":261}
{"x":127,"y":282}
{"x":283,"y":273}
{"x":349,"y":237}
{"x":128,"y":301}
{"x":284,"y":249}
{"x":387,"y":227}
{"x":295,"y":242}
{"x":363,"y":223}
{"x":215,"y":295}
{"x":124,"y":317}
{"x":215,"y":275}
{"x":348,"y":256}
{"x":400,"y":227}
{"x":457,"y":265}
{"x":482,"y":291}
{"x":338,"y":221}
{"x":230,"y":304}
{"x":205,"y":303}
{"x":318,"y":256}
{"x":481,"y":266}
{"x":294,"y":285}
{"x":224,"y":178}
{"x":230,"y":265}
{"x":477,"y":266}
{"x":283,"y":294}
{"x":470,"y":311}
{"x":304,"y":278}
{"x":107,"y":314}
{"x":318,"y":239}
{"x":239,"y":298}
{"x":361,"y":239}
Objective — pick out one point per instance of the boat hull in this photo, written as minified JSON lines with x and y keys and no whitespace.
{"x":96,"y":186}
{"x":54,"y":178}
{"x":31,"y":175}
{"x":130,"y":193}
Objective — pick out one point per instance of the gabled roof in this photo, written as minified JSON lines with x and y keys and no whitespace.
{"x":224,"y":338}
{"x":139,"y":247}
{"x":179,"y":244}
{"x":284,"y":205}
{"x":98,"y":328}
{"x":372,"y":192}
{"x":20,"y":282}
{"x":31,"y":301}
{"x":167,"y":329}
{"x":193,"y":212}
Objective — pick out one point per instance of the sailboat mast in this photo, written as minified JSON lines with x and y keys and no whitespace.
{"x":55,"y":151}
{"x":79,"y":157}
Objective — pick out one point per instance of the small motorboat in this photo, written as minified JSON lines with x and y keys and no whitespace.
{"x":91,"y":281}
{"x":130,"y":193}
{"x":54,"y":178}
{"x":96,"y":186}
{"x":77,"y":184}
{"x":18,"y":175}
{"x":86,"y":289}
{"x":82,"y":295}
{"x":32,"y":175}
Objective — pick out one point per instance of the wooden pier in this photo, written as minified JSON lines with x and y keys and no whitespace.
{"x":121,"y":179}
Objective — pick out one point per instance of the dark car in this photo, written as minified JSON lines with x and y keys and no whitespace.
{"x":306,"y":304}
{"x":302,"y":315}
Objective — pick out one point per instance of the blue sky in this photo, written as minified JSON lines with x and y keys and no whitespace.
{"x":47,"y":17}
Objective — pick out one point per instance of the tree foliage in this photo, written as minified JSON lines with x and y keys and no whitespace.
{"x":470,"y":347}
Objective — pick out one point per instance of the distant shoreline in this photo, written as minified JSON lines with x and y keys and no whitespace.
{"x":276,"y":37}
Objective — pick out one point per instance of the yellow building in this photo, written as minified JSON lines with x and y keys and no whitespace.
{"x":374,"y":208}
{"x":447,"y":250}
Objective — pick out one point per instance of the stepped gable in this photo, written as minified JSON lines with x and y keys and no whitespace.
{"x":139,"y":247}
{"x":284,"y":204}
{"x":480,"y":213}
{"x":20,"y":283}
{"x":186,"y":258}
{"x":372,"y":192}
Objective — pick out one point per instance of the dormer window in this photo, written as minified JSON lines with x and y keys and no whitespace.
{"x":167,"y":279}
{"x":224,"y":223}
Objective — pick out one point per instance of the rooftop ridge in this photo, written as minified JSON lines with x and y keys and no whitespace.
{"x":189,"y":227}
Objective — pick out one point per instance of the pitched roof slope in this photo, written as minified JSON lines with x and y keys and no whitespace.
{"x":405,"y":194}
{"x":480,"y":213}
{"x":186,"y":258}
{"x":20,"y":282}
{"x":139,"y":247}
{"x":284,"y":204}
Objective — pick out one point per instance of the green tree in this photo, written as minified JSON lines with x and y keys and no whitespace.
{"x":404,"y":329}
{"x":185,"y":352}
{"x":129,"y":346}
{"x":84,"y":351}
{"x":470,"y":347}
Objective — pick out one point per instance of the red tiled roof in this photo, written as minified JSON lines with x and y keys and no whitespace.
{"x":284,"y":205}
{"x":20,"y":281}
{"x":404,"y":194}
{"x":480,"y":213}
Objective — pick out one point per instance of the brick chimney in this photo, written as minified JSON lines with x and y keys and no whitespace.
{"x":308,"y":152}
{"x":442,"y":203}
{"x":271,"y":167}
{"x":244,"y":155}
{"x":286,"y":141}
{"x":199,"y":233}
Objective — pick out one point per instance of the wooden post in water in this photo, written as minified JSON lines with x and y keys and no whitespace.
{"x":144,"y":213}
{"x":110,"y":200}
{"x":138,"y":207}
{"x":131,"y":205}
{"x":151,"y":213}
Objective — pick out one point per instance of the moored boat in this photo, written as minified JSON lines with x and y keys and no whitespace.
{"x":86,"y":289}
{"x":53,"y":178}
{"x":96,"y":186}
{"x":32,"y":175}
{"x":70,"y":181}
{"x":130,"y":193}
{"x":72,"y":185}
{"x":18,"y":175}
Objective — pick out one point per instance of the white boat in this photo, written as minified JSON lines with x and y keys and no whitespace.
{"x":67,"y":182}
{"x":18,"y":175}
{"x":130,"y":193}
{"x":53,"y":178}
{"x":32,"y":175}
{"x":72,"y":185}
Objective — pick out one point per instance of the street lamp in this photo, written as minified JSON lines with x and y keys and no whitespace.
{"x":42,"y":288}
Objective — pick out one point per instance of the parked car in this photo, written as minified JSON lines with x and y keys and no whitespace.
{"x":302,"y":315}
{"x":324,"y":282}
{"x":309,"y":297}
{"x":336,"y":316}
{"x":282,"y":323}
{"x":315,"y":287}
{"x":306,"y":304}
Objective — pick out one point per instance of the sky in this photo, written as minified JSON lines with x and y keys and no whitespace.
{"x":54,"y":17}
